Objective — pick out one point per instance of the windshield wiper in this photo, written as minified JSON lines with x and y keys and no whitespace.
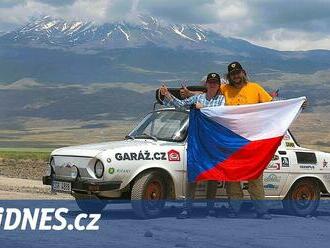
{"x":129,"y":137}
{"x":145,"y":135}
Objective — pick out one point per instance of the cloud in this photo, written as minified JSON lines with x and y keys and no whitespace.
{"x":10,"y":3}
{"x":189,"y":11}
{"x":284,"y":39}
{"x":297,"y":14}
{"x":281,"y":24}
{"x":57,"y":2}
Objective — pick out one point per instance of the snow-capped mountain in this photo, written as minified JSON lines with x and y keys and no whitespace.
{"x":48,"y":52}
{"x":147,"y":50}
{"x":146,"y":30}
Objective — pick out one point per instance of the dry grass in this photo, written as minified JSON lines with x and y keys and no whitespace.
{"x":42,"y":133}
{"x":312,"y":130}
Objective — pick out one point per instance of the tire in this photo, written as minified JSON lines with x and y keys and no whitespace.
{"x":148,"y":195}
{"x":303,"y":198}
{"x":88,"y":205}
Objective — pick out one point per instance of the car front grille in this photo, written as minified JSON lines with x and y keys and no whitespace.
{"x":63,"y":166}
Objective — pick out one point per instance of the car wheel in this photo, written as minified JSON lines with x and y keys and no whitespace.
{"x":90,"y":205}
{"x":148,"y":195}
{"x":303,"y":198}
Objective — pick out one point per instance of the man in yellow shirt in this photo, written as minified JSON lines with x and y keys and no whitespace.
{"x":240,"y":91}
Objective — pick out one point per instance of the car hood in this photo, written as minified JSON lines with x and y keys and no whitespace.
{"x":91,"y":150}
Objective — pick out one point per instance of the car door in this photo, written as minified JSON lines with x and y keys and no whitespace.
{"x":277,"y":171}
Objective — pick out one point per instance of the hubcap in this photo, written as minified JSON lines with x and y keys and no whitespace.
{"x":303,"y":195}
{"x":154,"y":191}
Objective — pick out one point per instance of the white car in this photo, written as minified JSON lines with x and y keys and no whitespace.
{"x":150,"y":164}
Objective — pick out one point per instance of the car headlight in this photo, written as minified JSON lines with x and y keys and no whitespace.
{"x":74,"y":172}
{"x":50,"y":167}
{"x":99,"y":169}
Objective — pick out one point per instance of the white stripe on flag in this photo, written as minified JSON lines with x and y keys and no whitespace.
{"x":257,"y":121}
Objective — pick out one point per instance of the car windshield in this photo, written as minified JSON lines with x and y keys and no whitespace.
{"x":168,"y":125}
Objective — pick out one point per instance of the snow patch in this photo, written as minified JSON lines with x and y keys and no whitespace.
{"x":76,"y":25}
{"x":127,"y":36}
{"x":49,"y":25}
{"x":88,"y":26}
{"x":180,"y":32}
{"x":65,"y":27}
{"x":198,"y":36}
{"x":154,"y":19}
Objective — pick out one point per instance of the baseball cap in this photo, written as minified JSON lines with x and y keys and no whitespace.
{"x":234,"y":66}
{"x":213,"y":77}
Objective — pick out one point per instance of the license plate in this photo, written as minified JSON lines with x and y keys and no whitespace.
{"x":61,"y":186}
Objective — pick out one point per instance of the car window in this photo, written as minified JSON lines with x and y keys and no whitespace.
{"x":163,"y":125}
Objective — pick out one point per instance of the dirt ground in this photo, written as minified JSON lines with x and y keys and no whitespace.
{"x":19,"y":189}
{"x":22,"y":179}
{"x":22,"y":168}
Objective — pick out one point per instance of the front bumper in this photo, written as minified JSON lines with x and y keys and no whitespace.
{"x":88,"y":185}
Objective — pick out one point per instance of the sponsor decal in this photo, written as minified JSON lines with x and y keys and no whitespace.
{"x":173,"y":155}
{"x":309,"y":167}
{"x":286,"y":137}
{"x":275,"y":157}
{"x":285,"y":162}
{"x":325,"y":164}
{"x":142,"y":155}
{"x":272,"y":178}
{"x":289,"y":144}
{"x":123,"y":171}
{"x":221,"y":185}
{"x":245,"y":186}
{"x":271,"y":186}
{"x":111,"y":170}
{"x":273,"y":166}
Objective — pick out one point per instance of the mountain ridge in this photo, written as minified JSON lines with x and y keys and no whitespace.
{"x":52,"y":50}
{"x":58,"y":32}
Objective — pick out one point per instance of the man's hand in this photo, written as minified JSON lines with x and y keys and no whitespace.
{"x":184,"y":92}
{"x":199,"y":105}
{"x":305,"y":104}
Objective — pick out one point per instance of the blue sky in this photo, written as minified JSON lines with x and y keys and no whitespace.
{"x":279,"y":24}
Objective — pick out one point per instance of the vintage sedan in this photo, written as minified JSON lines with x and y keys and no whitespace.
{"x":149,"y":166}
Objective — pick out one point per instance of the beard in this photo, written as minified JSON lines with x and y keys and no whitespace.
{"x":238,"y":80}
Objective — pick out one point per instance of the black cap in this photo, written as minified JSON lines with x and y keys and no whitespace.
{"x":213,"y":76}
{"x":234,"y":66}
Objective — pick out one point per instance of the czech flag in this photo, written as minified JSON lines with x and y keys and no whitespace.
{"x":236,"y":143}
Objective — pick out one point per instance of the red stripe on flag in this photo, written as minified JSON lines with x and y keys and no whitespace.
{"x":247,"y":163}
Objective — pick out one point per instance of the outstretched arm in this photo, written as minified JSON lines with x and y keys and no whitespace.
{"x":172,"y":101}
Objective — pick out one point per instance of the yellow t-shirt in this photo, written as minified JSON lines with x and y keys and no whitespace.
{"x":251,"y":93}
